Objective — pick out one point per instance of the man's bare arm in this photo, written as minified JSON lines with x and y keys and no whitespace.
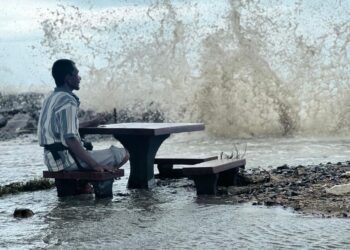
{"x":100,"y":119}
{"x":78,"y":151}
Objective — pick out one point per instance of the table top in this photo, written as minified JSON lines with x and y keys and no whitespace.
{"x":141,"y":128}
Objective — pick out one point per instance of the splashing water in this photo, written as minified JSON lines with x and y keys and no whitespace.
{"x":244,"y":68}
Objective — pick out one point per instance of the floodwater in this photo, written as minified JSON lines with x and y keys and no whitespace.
{"x":170,"y":215}
{"x":246,"y":69}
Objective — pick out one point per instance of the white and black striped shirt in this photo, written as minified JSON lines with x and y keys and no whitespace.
{"x":58,"y":121}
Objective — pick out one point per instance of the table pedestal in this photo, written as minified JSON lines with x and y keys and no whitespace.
{"x":142,"y":150}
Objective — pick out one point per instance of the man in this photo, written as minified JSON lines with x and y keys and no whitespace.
{"x":58,"y":128}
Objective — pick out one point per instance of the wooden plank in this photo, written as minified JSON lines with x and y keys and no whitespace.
{"x":185,"y":160}
{"x":212,"y":167}
{"x":80,"y":175}
{"x":140,"y":128}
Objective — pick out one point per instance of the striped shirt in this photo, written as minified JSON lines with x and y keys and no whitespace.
{"x":58,"y":121}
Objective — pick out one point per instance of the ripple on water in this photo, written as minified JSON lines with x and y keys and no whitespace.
{"x":168,"y":216}
{"x":148,"y":219}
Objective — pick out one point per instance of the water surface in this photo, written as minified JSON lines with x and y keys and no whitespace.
{"x":170,"y":215}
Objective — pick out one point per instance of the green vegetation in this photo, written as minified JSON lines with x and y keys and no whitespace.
{"x":32,"y":185}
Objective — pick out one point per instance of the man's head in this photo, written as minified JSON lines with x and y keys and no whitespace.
{"x":65,"y":73}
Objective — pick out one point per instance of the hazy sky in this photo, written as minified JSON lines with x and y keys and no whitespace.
{"x":21,"y":33}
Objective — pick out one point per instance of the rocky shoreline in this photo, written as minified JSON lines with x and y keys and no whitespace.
{"x":319,"y":190}
{"x":306,"y":189}
{"x":19,"y":114}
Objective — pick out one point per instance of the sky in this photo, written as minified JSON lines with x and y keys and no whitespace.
{"x":21,"y":32}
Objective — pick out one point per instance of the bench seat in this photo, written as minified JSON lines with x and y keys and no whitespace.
{"x":84,"y":175}
{"x":68,"y":183}
{"x":166,"y":164}
{"x":208,"y":175}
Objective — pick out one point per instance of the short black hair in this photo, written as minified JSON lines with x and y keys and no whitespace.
{"x":60,"y":69}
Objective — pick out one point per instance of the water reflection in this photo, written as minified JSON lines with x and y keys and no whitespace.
{"x":171,"y":215}
{"x":168,"y":216}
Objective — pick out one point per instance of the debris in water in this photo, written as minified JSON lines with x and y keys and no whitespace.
{"x":23,"y":213}
{"x":32,"y":185}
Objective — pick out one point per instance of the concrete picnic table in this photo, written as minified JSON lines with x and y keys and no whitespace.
{"x":142,"y":140}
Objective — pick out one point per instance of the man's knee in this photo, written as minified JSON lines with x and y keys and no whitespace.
{"x":125,"y":159}
{"x":127,"y":156}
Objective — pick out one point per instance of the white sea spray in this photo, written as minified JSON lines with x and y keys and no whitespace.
{"x":244,"y":68}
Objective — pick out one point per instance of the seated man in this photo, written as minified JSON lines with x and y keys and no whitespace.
{"x":58,"y":128}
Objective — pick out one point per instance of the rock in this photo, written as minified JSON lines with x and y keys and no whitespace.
{"x":342,"y":189}
{"x":23,"y":213}
{"x":86,"y":115}
{"x":270,"y":203}
{"x":297,"y":207}
{"x":345,"y":175}
{"x":293,"y":193}
{"x":239,"y":190}
{"x":299,"y":171}
{"x":17,"y":123}
{"x":272,"y":196}
{"x":11,"y":111}
{"x":19,"y":113}
{"x":255,"y":176}
{"x":285,"y":166}
{"x":23,"y":101}
{"x":123,"y":194}
{"x":3,"y":121}
{"x":300,"y":183}
{"x":316,"y":169}
{"x":268,"y":185}
{"x":222,"y":191}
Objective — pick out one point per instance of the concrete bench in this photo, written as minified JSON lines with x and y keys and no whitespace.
{"x":166,"y":164}
{"x":208,"y":175}
{"x":67,"y":183}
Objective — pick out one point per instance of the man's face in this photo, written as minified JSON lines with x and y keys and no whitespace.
{"x":73,"y":79}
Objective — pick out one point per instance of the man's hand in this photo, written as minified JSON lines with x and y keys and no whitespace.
{"x":75,"y":146}
{"x":98,"y":120}
{"x":103,"y":168}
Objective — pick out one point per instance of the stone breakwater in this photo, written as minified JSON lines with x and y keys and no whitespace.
{"x":19,"y":114}
{"x":303,"y":188}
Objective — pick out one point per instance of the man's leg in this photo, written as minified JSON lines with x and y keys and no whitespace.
{"x":113,"y":157}
{"x":79,"y":186}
